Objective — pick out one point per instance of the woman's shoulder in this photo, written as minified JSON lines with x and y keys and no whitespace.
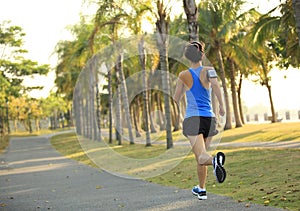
{"x":184,"y":74}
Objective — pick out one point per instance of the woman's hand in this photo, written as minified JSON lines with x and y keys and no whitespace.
{"x":222,"y":111}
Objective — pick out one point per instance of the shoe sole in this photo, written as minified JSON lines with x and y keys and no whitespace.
{"x":202,"y":197}
{"x":220,"y":173}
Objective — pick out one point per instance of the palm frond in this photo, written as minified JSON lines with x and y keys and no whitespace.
{"x":265,"y":29}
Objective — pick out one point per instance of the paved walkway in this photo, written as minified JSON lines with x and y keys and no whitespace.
{"x":34,"y":176}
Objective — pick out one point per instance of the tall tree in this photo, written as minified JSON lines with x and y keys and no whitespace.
{"x":14,"y":67}
{"x":274,"y":38}
{"x":13,"y":64}
{"x":237,"y":57}
{"x":112,"y":14}
{"x":162,"y":43}
{"x":219,"y":21}
{"x":142,"y":59}
{"x":232,"y":75}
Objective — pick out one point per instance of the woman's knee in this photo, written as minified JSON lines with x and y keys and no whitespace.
{"x":203,"y":158}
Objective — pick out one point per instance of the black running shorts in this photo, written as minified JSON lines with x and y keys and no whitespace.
{"x":196,"y":125}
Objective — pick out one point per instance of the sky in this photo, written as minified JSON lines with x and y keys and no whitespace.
{"x":45,"y":23}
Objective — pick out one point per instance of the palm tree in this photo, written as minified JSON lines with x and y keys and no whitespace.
{"x":162,"y":43}
{"x":238,"y":65}
{"x":215,"y":19}
{"x":110,"y":103}
{"x":110,"y":13}
{"x":273,"y":40}
{"x":125,"y":98}
{"x":135,"y":23}
{"x":262,"y":57}
{"x":142,"y":58}
{"x":237,"y":60}
{"x":219,"y":22}
{"x":281,"y":32}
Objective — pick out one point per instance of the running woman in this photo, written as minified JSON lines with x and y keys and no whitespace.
{"x":199,"y":124}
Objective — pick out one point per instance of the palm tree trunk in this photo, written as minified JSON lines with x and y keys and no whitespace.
{"x":77,"y":109}
{"x":136,"y":114}
{"x":159,"y":108}
{"x":296,"y":7}
{"x":118,"y":108}
{"x":238,"y":122}
{"x":191,"y":11}
{"x":142,"y":59}
{"x":81,"y":115}
{"x":89,"y":109}
{"x":175,"y":116}
{"x":118,"y":117}
{"x":274,"y":118}
{"x":125,"y":98}
{"x":98,"y":103}
{"x":92,"y":105}
{"x":151,"y":108}
{"x":110,"y":104}
{"x":239,"y":92}
{"x":165,"y":78}
{"x":162,"y":42}
{"x":228,"y":124}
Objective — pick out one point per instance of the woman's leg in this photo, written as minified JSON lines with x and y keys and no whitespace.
{"x":202,"y":174}
{"x":199,"y":147}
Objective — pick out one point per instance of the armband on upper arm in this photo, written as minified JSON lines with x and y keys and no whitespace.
{"x":211,"y":74}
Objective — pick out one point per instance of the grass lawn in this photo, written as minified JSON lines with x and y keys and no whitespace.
{"x":269,"y":177}
{"x":263,"y":132}
{"x":254,"y":175}
{"x":4,"y":141}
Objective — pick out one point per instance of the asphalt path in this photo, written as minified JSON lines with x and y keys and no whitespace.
{"x":34,"y":176}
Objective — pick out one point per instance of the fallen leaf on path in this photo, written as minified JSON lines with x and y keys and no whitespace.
{"x":247,"y":205}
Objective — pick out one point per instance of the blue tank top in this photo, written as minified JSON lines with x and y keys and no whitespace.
{"x":198,"y":97}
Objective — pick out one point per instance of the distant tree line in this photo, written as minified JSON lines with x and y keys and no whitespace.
{"x":239,"y":44}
